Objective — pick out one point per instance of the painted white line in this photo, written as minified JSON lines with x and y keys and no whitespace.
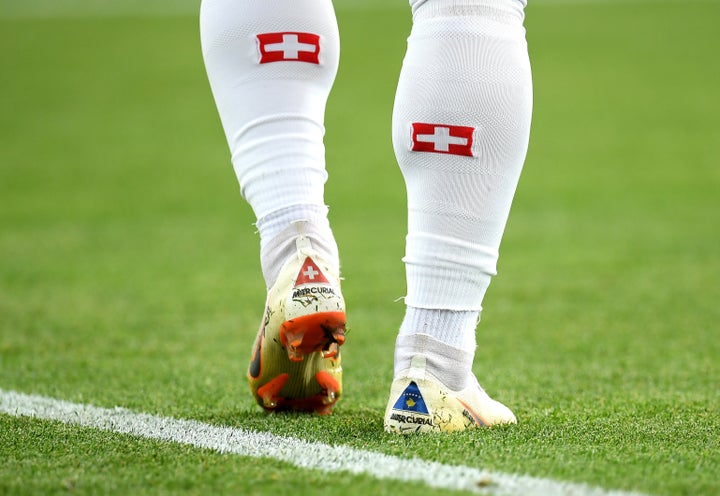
{"x":303,"y":454}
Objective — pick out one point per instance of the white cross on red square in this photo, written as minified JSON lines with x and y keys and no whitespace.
{"x":442,"y":138}
{"x":310,"y":272}
{"x":289,"y":47}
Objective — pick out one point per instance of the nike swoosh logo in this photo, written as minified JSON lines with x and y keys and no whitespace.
{"x":477,"y":418}
{"x":254,"y":369}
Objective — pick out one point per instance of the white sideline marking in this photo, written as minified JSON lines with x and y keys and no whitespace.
{"x":303,"y":454}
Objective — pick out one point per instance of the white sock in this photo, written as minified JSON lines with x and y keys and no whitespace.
{"x":453,"y":328}
{"x":279,"y":230}
{"x":460,"y":131}
{"x":271,"y":66}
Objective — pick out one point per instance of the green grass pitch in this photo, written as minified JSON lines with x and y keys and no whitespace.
{"x":129,"y":272}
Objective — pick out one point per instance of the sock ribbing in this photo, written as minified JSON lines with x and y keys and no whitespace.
{"x":460,"y":132}
{"x":279,"y":230}
{"x":455,"y":329}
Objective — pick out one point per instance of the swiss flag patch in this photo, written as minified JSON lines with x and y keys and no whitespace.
{"x":289,"y":46}
{"x":442,"y":138}
{"x":310,"y":273}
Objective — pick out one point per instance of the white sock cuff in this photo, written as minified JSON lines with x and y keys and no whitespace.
{"x":453,"y":328}
{"x":279,"y":220}
{"x":279,"y":232}
{"x":503,"y":11}
{"x":280,"y":160}
{"x":447,"y":273}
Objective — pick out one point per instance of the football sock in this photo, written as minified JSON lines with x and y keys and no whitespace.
{"x":461,"y":125}
{"x":448,"y":326}
{"x":279,"y":230}
{"x":271,"y":66}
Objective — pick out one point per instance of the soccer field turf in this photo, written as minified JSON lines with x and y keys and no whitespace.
{"x":129,"y":270}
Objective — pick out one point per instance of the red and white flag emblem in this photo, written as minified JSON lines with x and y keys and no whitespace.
{"x":442,"y":138}
{"x":289,"y":46}
{"x":310,"y":274}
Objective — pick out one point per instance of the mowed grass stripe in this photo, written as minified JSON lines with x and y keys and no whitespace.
{"x":298,"y":452}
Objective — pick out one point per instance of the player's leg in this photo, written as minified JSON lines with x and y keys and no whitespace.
{"x":460,"y":129}
{"x":271,"y":65}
